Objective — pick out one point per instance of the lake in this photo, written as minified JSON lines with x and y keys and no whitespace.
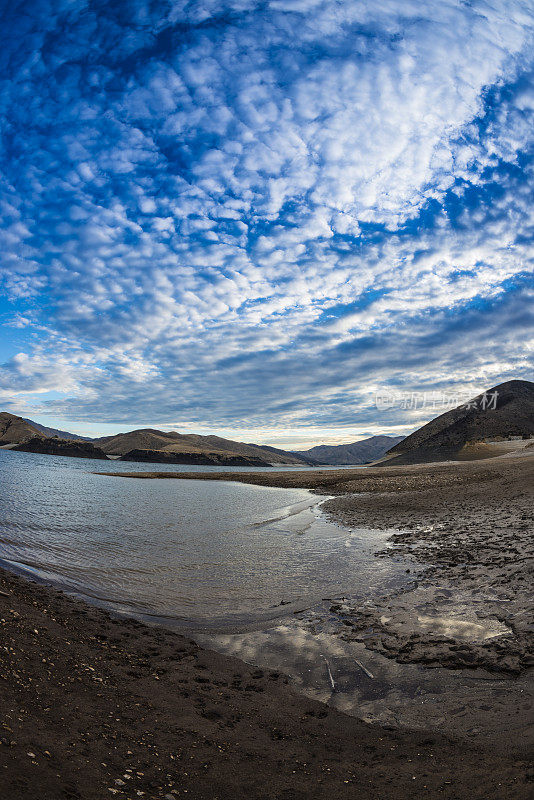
{"x":197,"y":554}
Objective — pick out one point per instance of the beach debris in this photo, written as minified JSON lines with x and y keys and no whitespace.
{"x":330,"y":677}
{"x":4,"y":594}
{"x":364,"y":669}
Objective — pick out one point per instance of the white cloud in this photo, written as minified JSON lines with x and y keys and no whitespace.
{"x":207,"y":222}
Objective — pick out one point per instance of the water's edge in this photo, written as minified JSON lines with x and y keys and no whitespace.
{"x":295,"y":514}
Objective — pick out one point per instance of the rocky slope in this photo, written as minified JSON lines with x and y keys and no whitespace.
{"x":15,"y":429}
{"x":504,"y":411}
{"x":215,"y":459}
{"x":61,"y":447}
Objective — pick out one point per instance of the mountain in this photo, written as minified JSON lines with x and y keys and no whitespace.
{"x":502,"y":412}
{"x":149,"y":439}
{"x":145,"y":444}
{"x":73,"y":437}
{"x":14,"y":430}
{"x":302,"y":458}
{"x":54,"y":446}
{"x":355,"y":453}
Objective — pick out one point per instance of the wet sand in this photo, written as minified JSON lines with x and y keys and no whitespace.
{"x":94,"y":706}
{"x":472,"y":606}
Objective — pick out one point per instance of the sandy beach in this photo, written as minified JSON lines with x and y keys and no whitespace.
{"x":95,"y":706}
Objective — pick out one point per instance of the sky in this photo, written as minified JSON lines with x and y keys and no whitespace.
{"x":252,"y":218}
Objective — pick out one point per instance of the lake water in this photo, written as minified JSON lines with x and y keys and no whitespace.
{"x":197,"y":553}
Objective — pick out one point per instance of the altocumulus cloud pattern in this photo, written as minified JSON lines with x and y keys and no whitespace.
{"x":259,"y":213}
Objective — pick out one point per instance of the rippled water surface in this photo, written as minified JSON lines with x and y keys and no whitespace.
{"x":200,"y":552}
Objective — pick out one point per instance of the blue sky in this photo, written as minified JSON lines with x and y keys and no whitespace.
{"x":251,"y":217}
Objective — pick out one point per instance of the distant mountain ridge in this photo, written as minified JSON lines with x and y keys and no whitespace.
{"x":142,"y":445}
{"x":502,"y":412}
{"x":353,"y":453}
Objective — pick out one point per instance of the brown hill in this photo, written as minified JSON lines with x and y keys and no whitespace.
{"x":173,"y":442}
{"x":14,"y":430}
{"x":502,"y":412}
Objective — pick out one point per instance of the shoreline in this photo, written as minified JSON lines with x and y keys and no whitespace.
{"x":468,"y":525}
{"x":453,"y":650}
{"x":94,"y":706}
{"x":187,"y":626}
